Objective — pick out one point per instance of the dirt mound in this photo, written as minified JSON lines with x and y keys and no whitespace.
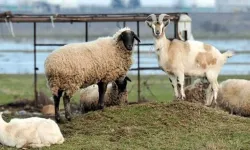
{"x":177,"y":125}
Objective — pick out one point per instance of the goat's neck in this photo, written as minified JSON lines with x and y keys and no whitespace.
{"x":161,"y":44}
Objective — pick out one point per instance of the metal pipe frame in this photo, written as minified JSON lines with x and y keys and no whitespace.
{"x":138,"y":17}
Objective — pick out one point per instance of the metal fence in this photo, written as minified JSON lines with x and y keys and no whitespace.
{"x":145,"y":68}
{"x":8,"y":17}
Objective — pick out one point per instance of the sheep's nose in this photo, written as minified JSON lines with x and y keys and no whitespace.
{"x":130,"y":47}
{"x":157,"y":32}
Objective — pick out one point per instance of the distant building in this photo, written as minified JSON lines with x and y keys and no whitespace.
{"x":233,"y":5}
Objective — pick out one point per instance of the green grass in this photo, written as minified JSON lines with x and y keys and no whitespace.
{"x":153,"y":87}
{"x":177,"y":125}
{"x":159,"y":124}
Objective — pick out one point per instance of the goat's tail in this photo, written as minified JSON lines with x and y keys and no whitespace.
{"x":228,"y":54}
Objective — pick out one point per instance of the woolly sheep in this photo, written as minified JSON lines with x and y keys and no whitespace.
{"x":80,"y":65}
{"x":116,"y":94}
{"x":30,"y":132}
{"x":196,"y":92}
{"x":179,"y":58}
{"x":233,"y":95}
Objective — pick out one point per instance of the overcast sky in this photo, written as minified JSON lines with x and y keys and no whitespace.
{"x":72,"y":3}
{"x":202,"y":3}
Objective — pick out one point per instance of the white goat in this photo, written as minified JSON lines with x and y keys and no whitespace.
{"x":179,"y":58}
{"x":30,"y":132}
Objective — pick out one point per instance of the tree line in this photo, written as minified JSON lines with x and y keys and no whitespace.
{"x":121,"y":4}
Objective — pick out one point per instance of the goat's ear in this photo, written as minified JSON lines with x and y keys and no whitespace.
{"x":149,"y":23}
{"x":127,"y":78}
{"x":136,"y":37}
{"x":166,"y":22}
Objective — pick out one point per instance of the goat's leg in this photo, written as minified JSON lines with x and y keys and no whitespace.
{"x":102,"y":87}
{"x":56,"y":103}
{"x":209,"y":95}
{"x":213,"y":87}
{"x":66,"y":102}
{"x":215,"y":91}
{"x":180,"y":83}
{"x":173,"y":81}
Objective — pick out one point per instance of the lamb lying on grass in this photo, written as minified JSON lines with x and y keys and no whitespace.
{"x":196,"y":92}
{"x":30,"y":132}
{"x":116,"y":94}
{"x":233,"y":95}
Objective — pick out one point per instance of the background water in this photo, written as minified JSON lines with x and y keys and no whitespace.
{"x":21,"y":61}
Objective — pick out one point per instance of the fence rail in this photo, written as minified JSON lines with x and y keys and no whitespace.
{"x":129,"y":17}
{"x":8,"y":17}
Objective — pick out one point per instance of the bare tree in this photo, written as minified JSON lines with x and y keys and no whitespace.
{"x":134,"y":3}
{"x":117,"y":4}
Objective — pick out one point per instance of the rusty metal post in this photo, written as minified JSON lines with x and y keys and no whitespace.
{"x":35,"y":67}
{"x":138,"y":64}
{"x":187,"y":78}
{"x":124,"y":23}
{"x":175,"y":29}
{"x":86,"y":32}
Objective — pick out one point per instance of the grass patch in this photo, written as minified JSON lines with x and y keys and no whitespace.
{"x":153,"y":87}
{"x":177,"y":125}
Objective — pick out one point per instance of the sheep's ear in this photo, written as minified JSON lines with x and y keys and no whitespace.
{"x":149,"y":23}
{"x":119,"y":37}
{"x":127,"y":78}
{"x":136,"y":37}
{"x":166,"y":22}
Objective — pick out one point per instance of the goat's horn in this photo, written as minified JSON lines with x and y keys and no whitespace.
{"x":153,"y":16}
{"x":161,"y":17}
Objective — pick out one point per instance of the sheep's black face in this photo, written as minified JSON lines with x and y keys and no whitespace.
{"x":127,"y":38}
{"x":122,"y":84}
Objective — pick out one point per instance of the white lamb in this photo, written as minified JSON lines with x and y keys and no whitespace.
{"x":30,"y":132}
{"x":179,"y":58}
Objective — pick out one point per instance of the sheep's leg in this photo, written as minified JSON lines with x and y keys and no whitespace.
{"x":66,"y":102}
{"x":180,"y":83}
{"x":173,"y":81}
{"x":102,"y":87}
{"x":57,"y":102}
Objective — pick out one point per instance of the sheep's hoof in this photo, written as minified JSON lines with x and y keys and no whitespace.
{"x":58,"y":119}
{"x":68,"y":118}
{"x":101,"y":107}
